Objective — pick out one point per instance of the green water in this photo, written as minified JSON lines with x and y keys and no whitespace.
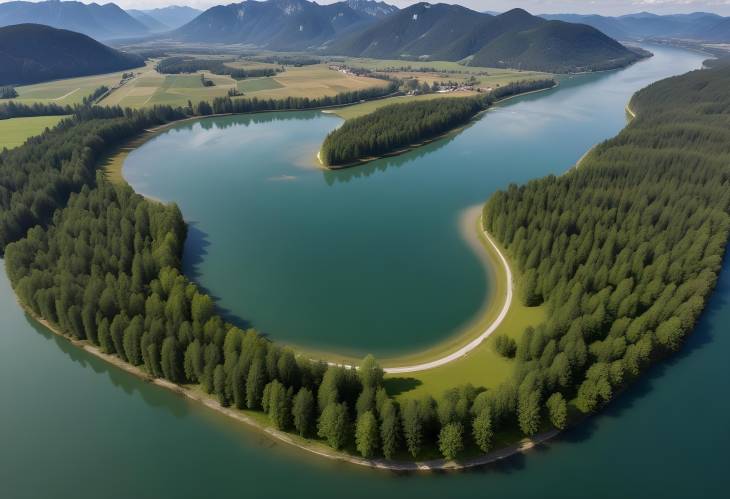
{"x":73,"y":427}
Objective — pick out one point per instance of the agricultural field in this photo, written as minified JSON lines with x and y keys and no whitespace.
{"x":14,"y":132}
{"x":67,"y":92}
{"x":443,"y":71}
{"x":151,"y":88}
{"x":313,"y":81}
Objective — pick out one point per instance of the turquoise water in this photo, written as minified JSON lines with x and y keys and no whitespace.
{"x":72,"y":426}
{"x":368,"y":259}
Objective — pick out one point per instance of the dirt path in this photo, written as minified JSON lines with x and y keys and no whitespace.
{"x":68,"y":94}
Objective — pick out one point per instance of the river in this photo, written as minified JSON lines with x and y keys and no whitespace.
{"x":72,"y":426}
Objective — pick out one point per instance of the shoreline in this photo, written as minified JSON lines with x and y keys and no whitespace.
{"x":314,"y":447}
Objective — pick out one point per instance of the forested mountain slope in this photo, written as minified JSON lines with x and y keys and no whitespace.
{"x":31,"y":53}
{"x":277,"y":24}
{"x":555,"y":46}
{"x":515,"y":39}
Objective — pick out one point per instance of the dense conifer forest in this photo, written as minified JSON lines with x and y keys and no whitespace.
{"x":397,"y":126}
{"x":624,"y":251}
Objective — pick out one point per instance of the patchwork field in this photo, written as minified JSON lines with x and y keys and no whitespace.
{"x":151,"y":88}
{"x":14,"y":132}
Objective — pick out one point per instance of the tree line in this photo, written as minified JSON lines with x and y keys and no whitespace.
{"x":176,"y":65}
{"x":396,"y":126}
{"x":623,"y":251}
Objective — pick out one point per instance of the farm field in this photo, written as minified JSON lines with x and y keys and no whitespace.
{"x":16,"y":131}
{"x":152,"y":88}
{"x":315,"y":81}
{"x":443,"y":71}
{"x":66,"y":92}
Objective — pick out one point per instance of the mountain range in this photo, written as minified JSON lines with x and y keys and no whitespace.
{"x":104,"y":22}
{"x":281,"y":24}
{"x":697,"y":26}
{"x":30,"y":53}
{"x":513,"y":39}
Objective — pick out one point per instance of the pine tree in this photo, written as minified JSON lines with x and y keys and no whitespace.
{"x":557,"y":410}
{"x":483,"y":431}
{"x":412,"y":426}
{"x":303,"y":412}
{"x":389,"y":428}
{"x":451,"y":440}
{"x":334,"y":425}
{"x":366,"y":435}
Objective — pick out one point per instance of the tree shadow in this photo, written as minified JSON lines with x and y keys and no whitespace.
{"x":128,"y":383}
{"x":196,"y":248}
{"x":398,"y":386}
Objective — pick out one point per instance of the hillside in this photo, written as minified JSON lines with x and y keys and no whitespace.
{"x":515,"y":39}
{"x":31,"y":53}
{"x":419,"y":30}
{"x":103,"y":22}
{"x":557,"y":47}
{"x":697,"y":26}
{"x":279,"y":24}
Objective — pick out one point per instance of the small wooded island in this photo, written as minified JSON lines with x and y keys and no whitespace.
{"x":396,"y":128}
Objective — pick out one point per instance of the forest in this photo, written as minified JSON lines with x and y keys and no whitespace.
{"x":397,"y":126}
{"x":176,"y":65}
{"x":624,"y":251}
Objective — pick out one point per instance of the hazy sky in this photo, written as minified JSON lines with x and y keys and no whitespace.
{"x":609,"y":7}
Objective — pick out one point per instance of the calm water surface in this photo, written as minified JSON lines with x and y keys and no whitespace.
{"x":73,"y":427}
